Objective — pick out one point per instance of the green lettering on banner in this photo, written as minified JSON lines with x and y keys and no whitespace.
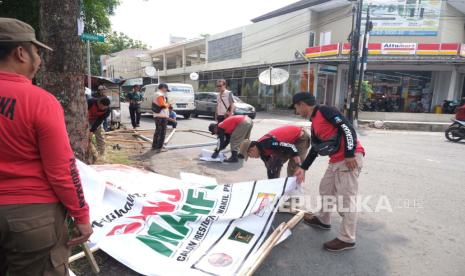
{"x":158,"y":238}
{"x":164,"y":241}
{"x":179,"y":225}
{"x":199,"y":200}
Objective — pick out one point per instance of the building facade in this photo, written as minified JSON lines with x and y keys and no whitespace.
{"x":416,"y":61}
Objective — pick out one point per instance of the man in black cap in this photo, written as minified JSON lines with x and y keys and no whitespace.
{"x":334,"y":136}
{"x":161,"y":113}
{"x":39,"y":180}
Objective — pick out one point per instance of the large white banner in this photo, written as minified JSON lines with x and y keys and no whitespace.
{"x":158,"y":225}
{"x":404,"y":17}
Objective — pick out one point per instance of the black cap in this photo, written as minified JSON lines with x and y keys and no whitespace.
{"x":305,"y":97}
{"x":212,"y":128}
{"x":163,"y":85}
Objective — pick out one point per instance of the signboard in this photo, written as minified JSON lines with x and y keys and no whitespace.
{"x":92,"y":37}
{"x":462,"y":50}
{"x":157,"y":225}
{"x":404,"y":17}
{"x":322,"y":51}
{"x":398,"y":48}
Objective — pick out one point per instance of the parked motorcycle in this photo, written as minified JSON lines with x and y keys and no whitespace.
{"x":456,"y":131}
{"x":448,"y":107}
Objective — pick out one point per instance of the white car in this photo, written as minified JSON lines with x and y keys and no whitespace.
{"x":181,"y":98}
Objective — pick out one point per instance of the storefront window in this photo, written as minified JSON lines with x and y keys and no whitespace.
{"x":398,"y":91}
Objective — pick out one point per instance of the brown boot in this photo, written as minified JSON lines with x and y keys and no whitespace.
{"x":338,"y":245}
{"x":314,"y":221}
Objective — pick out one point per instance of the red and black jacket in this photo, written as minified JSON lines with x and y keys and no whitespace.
{"x":95,"y":115}
{"x":326,"y":122}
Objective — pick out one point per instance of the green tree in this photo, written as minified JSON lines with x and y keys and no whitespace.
{"x":96,"y":13}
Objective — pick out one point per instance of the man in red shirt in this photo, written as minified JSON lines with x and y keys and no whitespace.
{"x":332,"y":135}
{"x":277,"y":147}
{"x":460,"y":114}
{"x":39,"y":180}
{"x":234,"y":129}
{"x":98,"y":110}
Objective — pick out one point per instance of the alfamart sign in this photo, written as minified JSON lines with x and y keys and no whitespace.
{"x":158,"y":225}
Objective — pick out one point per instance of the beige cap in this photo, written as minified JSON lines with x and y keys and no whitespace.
{"x":244,"y":148}
{"x":13,"y":30}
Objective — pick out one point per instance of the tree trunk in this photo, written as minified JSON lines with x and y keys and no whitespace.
{"x":62,"y":70}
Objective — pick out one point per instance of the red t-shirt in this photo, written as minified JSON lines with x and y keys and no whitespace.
{"x":229,"y":124}
{"x":460,"y":115}
{"x":37,"y":164}
{"x":324,"y":130}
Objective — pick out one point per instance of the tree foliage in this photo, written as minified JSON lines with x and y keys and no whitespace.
{"x":96,"y":15}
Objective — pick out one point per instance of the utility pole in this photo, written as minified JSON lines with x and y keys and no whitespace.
{"x":363,"y":62}
{"x":354,"y":53}
{"x":350,"y":40}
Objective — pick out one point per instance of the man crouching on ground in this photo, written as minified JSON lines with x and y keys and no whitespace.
{"x":277,"y":147}
{"x":234,"y":129}
{"x":332,"y":135}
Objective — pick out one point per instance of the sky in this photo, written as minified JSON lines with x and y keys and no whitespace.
{"x":152,"y":21}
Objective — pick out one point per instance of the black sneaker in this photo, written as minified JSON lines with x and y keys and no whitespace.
{"x":314,"y":221}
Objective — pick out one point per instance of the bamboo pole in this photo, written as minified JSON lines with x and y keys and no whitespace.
{"x":191,"y":145}
{"x":90,"y":258}
{"x":268,"y":245}
{"x":167,"y":140}
{"x":146,"y":139}
{"x":126,"y":141}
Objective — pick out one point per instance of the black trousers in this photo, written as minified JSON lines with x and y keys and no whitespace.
{"x":220,"y":118}
{"x":160,"y":133}
{"x":135,"y":116}
{"x":173,"y":124}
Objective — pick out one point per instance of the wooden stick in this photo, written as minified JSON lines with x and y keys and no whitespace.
{"x":126,"y":141}
{"x":191,"y":145}
{"x":268,"y":245}
{"x":167,"y":140}
{"x":90,"y":258}
{"x":81,"y":254}
{"x":146,"y":139}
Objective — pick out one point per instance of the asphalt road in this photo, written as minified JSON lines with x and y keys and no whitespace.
{"x":420,"y":174}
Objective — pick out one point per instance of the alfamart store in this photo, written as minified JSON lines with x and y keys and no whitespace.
{"x":404,"y":77}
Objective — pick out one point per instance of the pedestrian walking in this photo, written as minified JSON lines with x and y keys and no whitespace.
{"x":135,"y":99}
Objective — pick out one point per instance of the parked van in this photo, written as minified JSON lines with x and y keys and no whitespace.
{"x":181,"y":98}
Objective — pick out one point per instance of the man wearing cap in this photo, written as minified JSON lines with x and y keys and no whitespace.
{"x":234,"y":130}
{"x":161,"y":113}
{"x":39,"y":180}
{"x":135,"y":98}
{"x":334,"y":136}
{"x":277,"y":147}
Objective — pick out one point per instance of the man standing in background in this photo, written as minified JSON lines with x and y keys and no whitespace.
{"x":224,"y":102}
{"x":39,"y":180}
{"x":135,"y":98}
{"x":161,"y":113}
